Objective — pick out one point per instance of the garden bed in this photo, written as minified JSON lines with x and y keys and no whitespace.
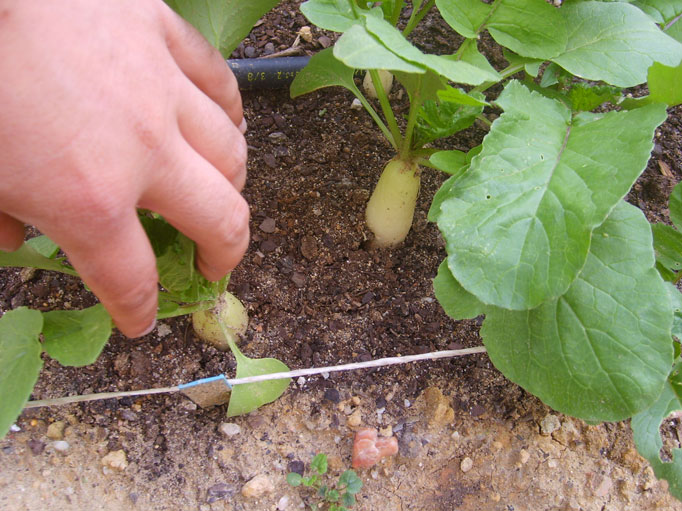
{"x":317,"y":296}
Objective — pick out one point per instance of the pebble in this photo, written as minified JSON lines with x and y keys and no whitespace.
{"x":258,"y":486}
{"x":61,"y":445}
{"x":524,"y":456}
{"x":332,"y":395}
{"x":14,"y":428}
{"x":268,"y":225}
{"x":283,"y":503}
{"x":438,"y":409}
{"x":466,"y":464}
{"x":324,"y":41}
{"x":549,"y":424}
{"x":250,"y":52}
{"x":55,"y":431}
{"x":298,"y":279}
{"x":356,"y":104}
{"x":602,"y":485}
{"x":116,"y":460}
{"x":163,"y":330}
{"x":218,"y":492}
{"x":355,"y":419}
{"x":229,"y":429}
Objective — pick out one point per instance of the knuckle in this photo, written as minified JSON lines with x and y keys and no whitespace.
{"x":235,"y":226}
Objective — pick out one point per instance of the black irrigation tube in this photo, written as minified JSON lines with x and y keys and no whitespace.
{"x":266,"y":73}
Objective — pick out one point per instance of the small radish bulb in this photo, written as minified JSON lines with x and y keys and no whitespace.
{"x":391,"y":207}
{"x":230,"y":312}
{"x":386,"y":79}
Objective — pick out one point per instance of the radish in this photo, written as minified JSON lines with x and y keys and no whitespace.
{"x":229,"y":312}
{"x":391,"y":207}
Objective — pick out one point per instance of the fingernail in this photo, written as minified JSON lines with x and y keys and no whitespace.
{"x":149,"y":329}
{"x":242,"y":126}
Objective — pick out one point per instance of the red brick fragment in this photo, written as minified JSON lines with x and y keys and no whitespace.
{"x":368,"y":449}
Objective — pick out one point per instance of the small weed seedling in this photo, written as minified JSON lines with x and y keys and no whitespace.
{"x":337,"y":497}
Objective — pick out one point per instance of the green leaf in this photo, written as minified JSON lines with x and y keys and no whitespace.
{"x":76,"y":338}
{"x":359,"y":49}
{"x":464,"y":16}
{"x":676,"y":301}
{"x":249,"y":396}
{"x":348,"y":500}
{"x":666,"y":13}
{"x":20,"y":362}
{"x":451,"y":162}
{"x":454,"y":112}
{"x":518,"y":223}
{"x":28,"y":256}
{"x":584,"y":97}
{"x":455,"y":300}
{"x":294,"y":479}
{"x":457,"y":71}
{"x":319,"y":464}
{"x":323,"y":70}
{"x":44,"y":246}
{"x":224,"y":23}
{"x":528,"y":27}
{"x":335,"y":15}
{"x":613,"y":42}
{"x":664,"y":84}
{"x":352,"y":482}
{"x":675,"y":206}
{"x":668,"y":246}
{"x":647,"y":436}
{"x":332,"y":495}
{"x":602,"y":351}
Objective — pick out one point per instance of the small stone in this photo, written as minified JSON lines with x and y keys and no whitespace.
{"x":36,"y":446}
{"x":309,"y":247}
{"x":549,"y":424}
{"x":332,"y":395}
{"x":229,"y":429}
{"x":466,"y":464}
{"x":601,"y":485}
{"x":386,"y":432}
{"x":356,"y":104}
{"x":14,"y":428}
{"x":163,"y":330}
{"x":324,"y":41}
{"x":218,"y":492}
{"x":296,"y":466}
{"x":257,"y":487}
{"x":270,"y":160}
{"x":268,"y":225}
{"x":283,"y":503}
{"x":269,"y":49}
{"x":298,"y":279}
{"x":524,"y":456}
{"x":306,"y":34}
{"x":438,"y":409}
{"x":355,"y":419}
{"x":249,"y":52}
{"x":61,"y":446}
{"x":55,"y":431}
{"x":116,"y":460}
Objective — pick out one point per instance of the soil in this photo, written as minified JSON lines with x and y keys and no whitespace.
{"x":316,"y":296}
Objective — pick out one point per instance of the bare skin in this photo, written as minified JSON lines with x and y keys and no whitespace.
{"x":108,"y":106}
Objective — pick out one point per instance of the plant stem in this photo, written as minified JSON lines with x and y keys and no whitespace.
{"x":186,"y":309}
{"x":397,"y":8}
{"x":484,"y":120}
{"x":416,"y":18}
{"x":505,"y":73}
{"x":386,"y":108}
{"x":415,"y":105}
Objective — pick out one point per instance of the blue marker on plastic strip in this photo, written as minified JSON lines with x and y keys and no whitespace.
{"x":208,"y":391}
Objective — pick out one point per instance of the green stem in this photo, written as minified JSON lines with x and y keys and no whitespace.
{"x":415,"y":105}
{"x":484,"y":120}
{"x":415,"y":19}
{"x":386,"y":108}
{"x":375,"y":116}
{"x":186,"y":309}
{"x":397,"y":9}
{"x":505,"y":73}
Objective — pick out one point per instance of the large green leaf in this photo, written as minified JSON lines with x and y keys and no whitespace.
{"x":668,"y":247}
{"x":249,"y":396}
{"x":29,"y":255}
{"x":647,"y":435}
{"x":603,"y":350}
{"x":224,"y":23}
{"x":614,"y":42}
{"x":518,"y":223}
{"x":454,"y":112}
{"x":335,"y":15}
{"x":675,"y":206}
{"x":323,"y":70}
{"x":456,"y":302}
{"x":20,"y":361}
{"x":665,"y":84}
{"x":464,"y":16}
{"x":76,"y":338}
{"x":666,"y":13}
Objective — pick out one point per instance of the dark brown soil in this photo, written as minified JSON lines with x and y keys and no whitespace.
{"x":317,"y":296}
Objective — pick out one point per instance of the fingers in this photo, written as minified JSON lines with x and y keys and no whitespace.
{"x":202,"y":204}
{"x":11,"y":233}
{"x":203,"y":65}
{"x":115,"y":260}
{"x":212,"y":134}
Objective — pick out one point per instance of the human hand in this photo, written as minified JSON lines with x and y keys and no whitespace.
{"x":108,"y":106}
